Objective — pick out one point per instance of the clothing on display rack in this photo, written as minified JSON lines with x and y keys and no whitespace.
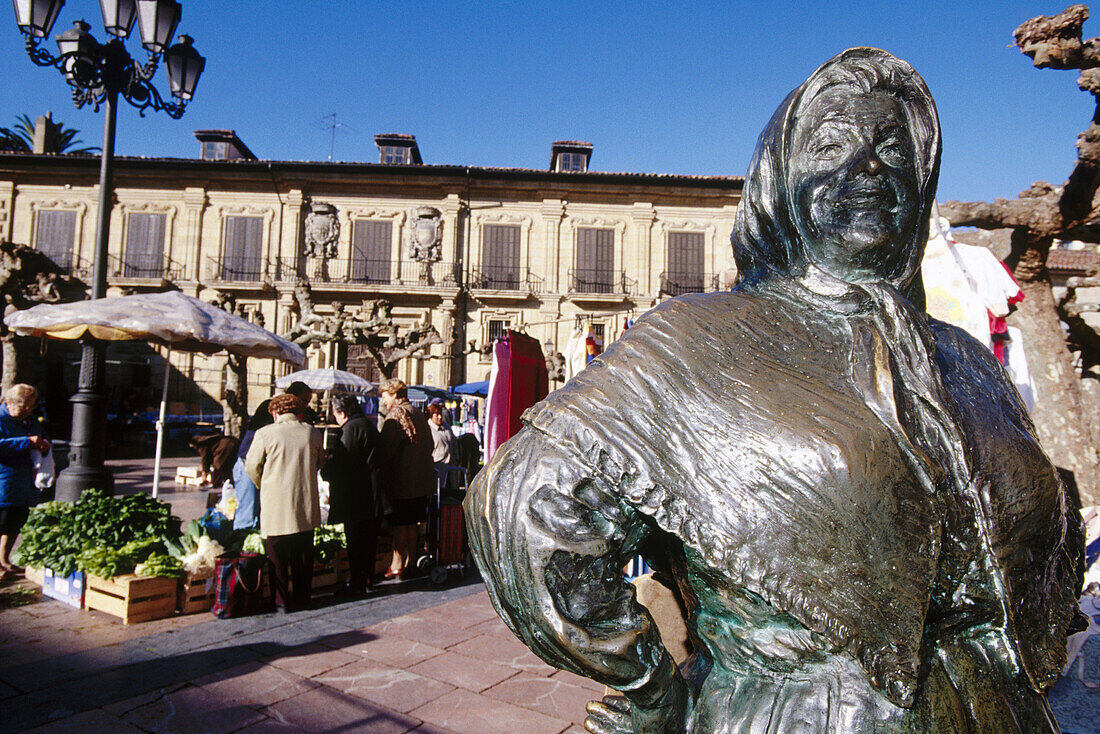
{"x":517,"y":381}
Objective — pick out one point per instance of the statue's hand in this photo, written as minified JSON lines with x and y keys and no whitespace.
{"x":617,"y":715}
{"x":612,"y":715}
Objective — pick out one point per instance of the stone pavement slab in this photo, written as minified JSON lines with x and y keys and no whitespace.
{"x":464,"y":672}
{"x":400,"y":690}
{"x":255,"y":684}
{"x":465,"y":712}
{"x":551,"y":696}
{"x":190,"y":710}
{"x":325,"y":709}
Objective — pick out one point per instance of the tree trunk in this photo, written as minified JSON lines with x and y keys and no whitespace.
{"x":1066,"y":430}
{"x":235,"y":409}
{"x":10,"y":354}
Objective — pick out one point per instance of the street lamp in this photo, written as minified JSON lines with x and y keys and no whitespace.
{"x":98,"y":74}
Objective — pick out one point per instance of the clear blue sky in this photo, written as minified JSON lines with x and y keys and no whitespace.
{"x":663,"y":87}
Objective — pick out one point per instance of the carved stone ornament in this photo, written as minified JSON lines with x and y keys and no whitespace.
{"x":322,"y":230}
{"x":426,"y":234}
{"x":847,"y":496}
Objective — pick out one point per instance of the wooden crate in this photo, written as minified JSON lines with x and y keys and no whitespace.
{"x":196,"y":594}
{"x":328,"y":575}
{"x":34,"y":575}
{"x":132,"y":598}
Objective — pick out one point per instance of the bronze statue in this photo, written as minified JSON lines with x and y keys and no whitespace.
{"x":864,"y":531}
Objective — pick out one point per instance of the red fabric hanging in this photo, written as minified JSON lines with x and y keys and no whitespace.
{"x":519,"y":380}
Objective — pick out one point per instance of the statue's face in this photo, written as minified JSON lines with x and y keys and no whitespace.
{"x":853,"y":183}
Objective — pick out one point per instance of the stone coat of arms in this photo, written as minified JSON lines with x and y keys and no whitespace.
{"x":426,"y":234}
{"x":322,"y":231}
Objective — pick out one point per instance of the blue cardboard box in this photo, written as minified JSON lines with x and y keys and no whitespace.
{"x":66,"y":589}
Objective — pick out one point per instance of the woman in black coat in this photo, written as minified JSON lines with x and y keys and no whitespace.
{"x":354,"y":497}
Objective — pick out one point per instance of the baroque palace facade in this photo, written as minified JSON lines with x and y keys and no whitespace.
{"x":470,"y":250}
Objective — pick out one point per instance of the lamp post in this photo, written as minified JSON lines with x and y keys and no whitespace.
{"x":98,"y":75}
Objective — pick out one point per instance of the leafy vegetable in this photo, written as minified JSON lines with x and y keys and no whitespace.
{"x":327,"y":541}
{"x":254,"y":544}
{"x":160,"y":565}
{"x":57,"y":532}
{"x":108,"y":563}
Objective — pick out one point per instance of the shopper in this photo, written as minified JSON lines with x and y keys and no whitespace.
{"x":247,"y":514}
{"x":409,"y":473}
{"x":443,"y":438}
{"x":354,"y":496}
{"x":283,"y":462}
{"x":19,"y":437}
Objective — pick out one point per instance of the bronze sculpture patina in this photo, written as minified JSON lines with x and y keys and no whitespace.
{"x":863,"y":528}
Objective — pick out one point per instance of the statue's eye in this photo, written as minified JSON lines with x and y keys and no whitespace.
{"x":828,"y":150}
{"x":893,"y":149}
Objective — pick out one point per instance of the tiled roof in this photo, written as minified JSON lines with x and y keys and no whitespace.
{"x":426,"y":169}
{"x":1079,"y":261}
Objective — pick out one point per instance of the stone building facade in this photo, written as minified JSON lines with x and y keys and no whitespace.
{"x":470,"y":250}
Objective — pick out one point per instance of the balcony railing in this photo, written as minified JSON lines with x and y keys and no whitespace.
{"x":237,"y":269}
{"x":599,"y":281}
{"x":153,"y":267}
{"x":504,"y":278}
{"x":366,"y":272}
{"x":677,"y":284}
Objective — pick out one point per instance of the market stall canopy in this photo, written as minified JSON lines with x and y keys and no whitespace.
{"x":479,"y":389}
{"x":172,"y":319}
{"x":329,"y":379}
{"x":424,"y":393}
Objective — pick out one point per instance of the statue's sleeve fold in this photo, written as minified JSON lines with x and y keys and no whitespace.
{"x":552,"y":539}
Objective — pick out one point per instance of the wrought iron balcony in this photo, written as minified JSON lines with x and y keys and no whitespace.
{"x":600,"y":282}
{"x":677,"y":284}
{"x":237,"y":269}
{"x":368,"y":272}
{"x":503,"y":278}
{"x":153,"y":267}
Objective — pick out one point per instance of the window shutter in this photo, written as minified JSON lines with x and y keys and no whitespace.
{"x":685,"y":262}
{"x":500,"y":256}
{"x":595,"y":260}
{"x":243,"y":242}
{"x":55,"y":235}
{"x":371,"y":251}
{"x":144,"y":257}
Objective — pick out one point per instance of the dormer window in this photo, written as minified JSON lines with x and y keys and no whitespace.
{"x":397,"y":149}
{"x":222,"y":145}
{"x":571,"y":162}
{"x":570,"y":155}
{"x":215,"y":151}
{"x":395,"y":155}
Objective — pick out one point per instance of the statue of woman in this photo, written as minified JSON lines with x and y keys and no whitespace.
{"x":862,"y":526}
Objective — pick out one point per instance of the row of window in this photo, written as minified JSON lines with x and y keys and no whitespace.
{"x":372,"y":251}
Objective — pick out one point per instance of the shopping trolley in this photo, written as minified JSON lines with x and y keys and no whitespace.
{"x":447,"y":525}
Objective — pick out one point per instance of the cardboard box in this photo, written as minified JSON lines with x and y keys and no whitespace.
{"x":65,"y":589}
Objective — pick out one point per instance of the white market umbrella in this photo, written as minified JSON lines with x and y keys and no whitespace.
{"x":328,"y":379}
{"x":170,"y":319}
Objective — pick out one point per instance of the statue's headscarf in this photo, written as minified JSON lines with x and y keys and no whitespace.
{"x":765,"y":240}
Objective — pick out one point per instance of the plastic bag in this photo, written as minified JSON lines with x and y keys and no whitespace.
{"x":43,"y":468}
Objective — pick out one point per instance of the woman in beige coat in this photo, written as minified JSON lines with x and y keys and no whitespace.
{"x":409,"y":472}
{"x":283,"y":462}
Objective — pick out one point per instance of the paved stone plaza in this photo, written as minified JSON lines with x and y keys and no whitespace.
{"x":421,"y":660}
{"x":411,"y":658}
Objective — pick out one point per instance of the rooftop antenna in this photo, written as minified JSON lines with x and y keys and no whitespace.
{"x":330,"y":124}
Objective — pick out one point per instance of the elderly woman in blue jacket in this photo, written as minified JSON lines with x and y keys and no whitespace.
{"x":18,"y":437}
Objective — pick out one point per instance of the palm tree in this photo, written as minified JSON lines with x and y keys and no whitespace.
{"x":59,"y":139}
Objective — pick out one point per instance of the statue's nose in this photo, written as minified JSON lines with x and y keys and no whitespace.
{"x":867,"y":160}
